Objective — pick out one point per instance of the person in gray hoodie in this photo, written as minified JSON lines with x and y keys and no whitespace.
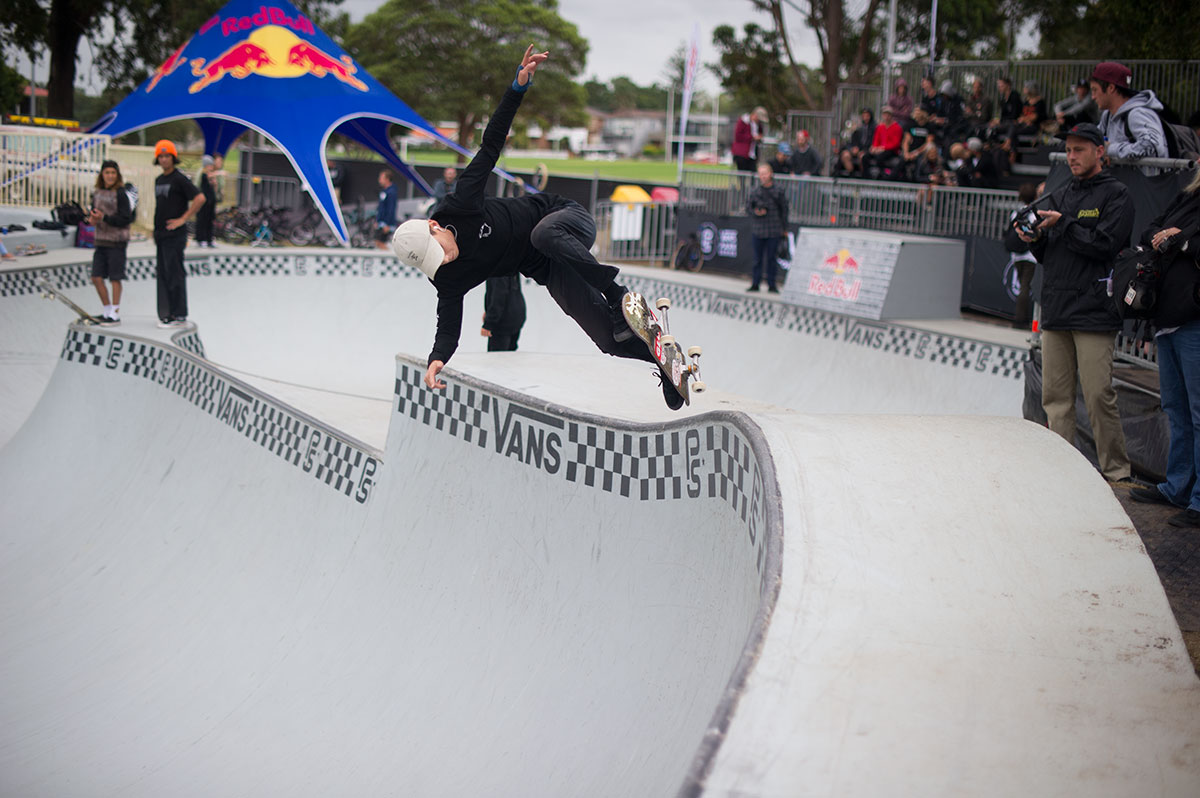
{"x":1128,"y":119}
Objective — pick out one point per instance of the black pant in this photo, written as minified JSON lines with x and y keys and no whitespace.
{"x":204,"y":222}
{"x":503,"y":342}
{"x":576,"y":280}
{"x":744,"y":163}
{"x":765,"y":251}
{"x":172,"y":277}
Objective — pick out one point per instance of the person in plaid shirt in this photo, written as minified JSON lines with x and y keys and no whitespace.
{"x":767,"y":207}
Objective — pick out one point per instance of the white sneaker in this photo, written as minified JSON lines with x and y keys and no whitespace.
{"x":165,"y":323}
{"x":177,"y":323}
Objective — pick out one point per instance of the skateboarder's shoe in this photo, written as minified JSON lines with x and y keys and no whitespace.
{"x":108,"y":321}
{"x":674,"y":400}
{"x":621,"y":329}
{"x":164,"y":323}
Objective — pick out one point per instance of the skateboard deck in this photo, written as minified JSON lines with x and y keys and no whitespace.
{"x":645,"y":325}
{"x":49,"y":291}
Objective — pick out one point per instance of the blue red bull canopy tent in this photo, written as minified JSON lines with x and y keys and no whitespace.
{"x":269,"y":69}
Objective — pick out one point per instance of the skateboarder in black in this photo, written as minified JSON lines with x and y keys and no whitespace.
{"x":546,"y":237}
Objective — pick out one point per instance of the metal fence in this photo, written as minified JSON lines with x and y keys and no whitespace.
{"x":870,"y":204}
{"x":256,"y":191}
{"x":1176,"y":83}
{"x":640,"y":232}
{"x":44,"y":168}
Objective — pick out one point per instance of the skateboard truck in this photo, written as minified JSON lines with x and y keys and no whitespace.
{"x":693,"y":370}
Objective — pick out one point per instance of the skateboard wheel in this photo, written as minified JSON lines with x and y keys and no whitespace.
{"x":699,"y":387}
{"x":662,"y":303}
{"x":694,"y":351}
{"x":667,"y":340}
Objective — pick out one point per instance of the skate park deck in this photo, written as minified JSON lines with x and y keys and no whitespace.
{"x":543,"y":582}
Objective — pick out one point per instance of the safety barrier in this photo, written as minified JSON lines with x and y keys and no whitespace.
{"x":640,"y":232}
{"x":871,"y":204}
{"x":43,"y":168}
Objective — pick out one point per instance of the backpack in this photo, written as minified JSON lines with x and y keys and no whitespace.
{"x":1182,"y":141}
{"x":69,"y":213}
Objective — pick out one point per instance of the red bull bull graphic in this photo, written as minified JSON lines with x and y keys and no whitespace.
{"x":273,"y":52}
{"x":837,"y":286}
{"x":173,"y":62}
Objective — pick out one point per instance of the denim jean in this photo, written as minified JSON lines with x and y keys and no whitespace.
{"x":1179,"y":387}
{"x":765,"y":250}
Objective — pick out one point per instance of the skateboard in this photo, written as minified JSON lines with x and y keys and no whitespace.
{"x":666,"y":352}
{"x":50,"y":292}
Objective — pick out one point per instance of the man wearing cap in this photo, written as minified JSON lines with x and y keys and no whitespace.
{"x":472,"y":237}
{"x":805,"y":160}
{"x":1128,"y":119}
{"x":1076,"y":107}
{"x":176,"y":200}
{"x":747,"y":133}
{"x":1084,"y":225}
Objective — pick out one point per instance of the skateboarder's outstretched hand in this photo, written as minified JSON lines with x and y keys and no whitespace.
{"x":431,"y":375}
{"x":529,"y":65}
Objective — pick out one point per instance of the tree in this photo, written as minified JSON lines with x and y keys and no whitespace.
{"x":1115,"y":29}
{"x":12,"y":87}
{"x":751,"y":69}
{"x":454,"y":59}
{"x":144,"y":33}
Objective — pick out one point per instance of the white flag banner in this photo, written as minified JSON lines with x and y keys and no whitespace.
{"x":689,"y":80}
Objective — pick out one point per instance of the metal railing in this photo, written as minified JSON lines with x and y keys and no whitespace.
{"x":871,"y":204}
{"x":257,"y":191}
{"x":641,"y":232}
{"x":43,"y":168}
{"x":1175,"y":83}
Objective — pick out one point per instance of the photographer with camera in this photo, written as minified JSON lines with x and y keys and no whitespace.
{"x":1082,"y":227}
{"x":1174,"y":238}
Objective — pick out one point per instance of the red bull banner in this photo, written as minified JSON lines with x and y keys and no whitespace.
{"x":267,"y":67}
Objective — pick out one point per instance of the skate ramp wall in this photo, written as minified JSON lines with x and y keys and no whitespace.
{"x":209,"y":593}
{"x":333,"y":321}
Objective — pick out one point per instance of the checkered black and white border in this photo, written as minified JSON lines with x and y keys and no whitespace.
{"x":947,"y":350}
{"x":316,"y":450}
{"x":708,"y":460}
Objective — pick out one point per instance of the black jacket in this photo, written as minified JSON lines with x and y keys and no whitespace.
{"x":503,"y":305}
{"x":492,"y":233}
{"x":1077,"y":253}
{"x":1176,"y":303}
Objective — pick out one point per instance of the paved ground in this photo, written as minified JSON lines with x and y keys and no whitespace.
{"x":1175,"y":553}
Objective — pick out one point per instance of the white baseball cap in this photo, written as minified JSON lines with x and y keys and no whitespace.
{"x":414,"y":245}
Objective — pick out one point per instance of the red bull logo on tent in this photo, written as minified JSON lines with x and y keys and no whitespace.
{"x":273,"y":51}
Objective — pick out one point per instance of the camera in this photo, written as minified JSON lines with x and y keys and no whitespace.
{"x":1026,"y":221}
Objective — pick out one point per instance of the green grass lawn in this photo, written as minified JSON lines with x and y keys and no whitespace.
{"x":638,"y":171}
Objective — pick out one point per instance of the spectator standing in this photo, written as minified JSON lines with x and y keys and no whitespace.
{"x":1128,"y":119}
{"x":883,"y":159}
{"x":901,"y":103}
{"x":218,"y":177}
{"x":445,"y":185}
{"x":176,"y":200}
{"x":747,"y":133}
{"x":805,"y":160}
{"x":928,"y":99}
{"x":1076,"y":107}
{"x":850,"y":157}
{"x":977,"y":110}
{"x":111,"y":214}
{"x":385,"y":211}
{"x":503,"y":312}
{"x":767,"y":207}
{"x":1175,"y":236}
{"x":208,"y":211}
{"x":1086,"y":223}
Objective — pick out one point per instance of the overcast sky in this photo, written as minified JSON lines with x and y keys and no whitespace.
{"x":634,"y":38}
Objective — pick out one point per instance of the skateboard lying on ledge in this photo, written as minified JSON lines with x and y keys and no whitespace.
{"x":50,"y":292}
{"x":667,"y":353}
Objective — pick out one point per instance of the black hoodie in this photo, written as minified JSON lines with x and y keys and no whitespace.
{"x":492,"y":233}
{"x":1077,"y":253}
